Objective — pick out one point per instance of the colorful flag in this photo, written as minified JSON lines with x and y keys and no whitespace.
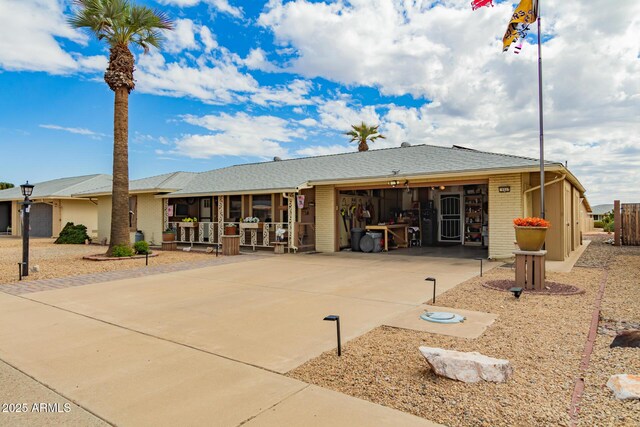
{"x":477,"y":4}
{"x":526,"y":13}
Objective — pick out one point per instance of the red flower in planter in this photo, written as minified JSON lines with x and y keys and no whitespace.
{"x":531,"y":222}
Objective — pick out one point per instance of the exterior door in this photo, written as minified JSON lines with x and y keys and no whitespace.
{"x":450,"y":214}
{"x":205,"y":209}
{"x":41,"y":220}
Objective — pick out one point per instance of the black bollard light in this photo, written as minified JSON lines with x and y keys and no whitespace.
{"x":432,"y":279}
{"x":334,"y":318}
{"x":146,"y":261}
{"x":516,"y":292}
{"x":480,"y":259}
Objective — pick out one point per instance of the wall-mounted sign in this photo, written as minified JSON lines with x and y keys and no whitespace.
{"x":300,"y":200}
{"x":504,"y":189}
{"x":170,"y":210}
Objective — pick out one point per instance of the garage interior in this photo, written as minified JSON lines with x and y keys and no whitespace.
{"x":446,"y":220}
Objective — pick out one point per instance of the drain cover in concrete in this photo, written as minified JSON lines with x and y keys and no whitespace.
{"x":442,"y":317}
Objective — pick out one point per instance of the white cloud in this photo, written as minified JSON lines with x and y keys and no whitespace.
{"x":257,"y":60}
{"x":182,"y":37}
{"x":208,"y":39}
{"x":220,"y":5}
{"x":220,"y":82}
{"x":295,"y":93}
{"x":28,"y":32}
{"x":236,"y":135}
{"x":77,"y":131}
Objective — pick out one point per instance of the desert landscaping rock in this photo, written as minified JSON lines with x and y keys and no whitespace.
{"x":627,"y":339}
{"x":625,"y":386}
{"x":466,"y":367}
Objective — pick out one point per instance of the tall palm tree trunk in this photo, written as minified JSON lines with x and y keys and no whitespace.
{"x":120,"y":192}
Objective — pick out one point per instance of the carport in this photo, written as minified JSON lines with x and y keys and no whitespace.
{"x":5,"y":217}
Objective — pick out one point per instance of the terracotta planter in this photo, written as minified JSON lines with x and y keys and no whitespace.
{"x":230,"y":231}
{"x":168,"y":237}
{"x":530,"y":238}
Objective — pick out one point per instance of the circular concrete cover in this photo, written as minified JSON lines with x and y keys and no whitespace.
{"x":442,"y":317}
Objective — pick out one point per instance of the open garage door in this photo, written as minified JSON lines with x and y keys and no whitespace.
{"x":41,"y":220}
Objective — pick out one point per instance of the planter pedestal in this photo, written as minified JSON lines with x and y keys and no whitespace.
{"x":231,"y":245}
{"x":530,"y":269}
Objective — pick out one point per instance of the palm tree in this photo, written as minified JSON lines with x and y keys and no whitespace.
{"x":362,"y":134}
{"x":120,"y":23}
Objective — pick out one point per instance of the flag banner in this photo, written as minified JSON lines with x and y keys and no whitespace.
{"x":477,"y":4}
{"x":526,"y":13}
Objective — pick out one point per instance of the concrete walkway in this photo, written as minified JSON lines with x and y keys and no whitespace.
{"x":208,"y":345}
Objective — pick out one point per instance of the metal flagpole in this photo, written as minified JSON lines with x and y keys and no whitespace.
{"x":542,"y":213}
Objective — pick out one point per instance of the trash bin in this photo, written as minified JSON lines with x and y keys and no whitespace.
{"x":377,"y":241}
{"x":356,"y":235}
{"x":139,"y":236}
{"x":366,"y":243}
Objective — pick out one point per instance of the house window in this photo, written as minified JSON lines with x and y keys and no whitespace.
{"x":235,"y":208}
{"x":261,"y":207}
{"x":133,"y":213}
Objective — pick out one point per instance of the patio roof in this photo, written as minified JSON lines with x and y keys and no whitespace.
{"x":164,"y":183}
{"x":62,"y":188}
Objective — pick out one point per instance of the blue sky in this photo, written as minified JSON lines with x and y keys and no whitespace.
{"x":243,"y":81}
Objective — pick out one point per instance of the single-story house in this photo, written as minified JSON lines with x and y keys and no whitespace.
{"x":145,"y":204}
{"x":53,"y":206}
{"x":446,"y":196}
{"x":599,"y":211}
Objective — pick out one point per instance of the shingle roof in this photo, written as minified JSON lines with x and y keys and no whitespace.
{"x":408,"y":161}
{"x":601,"y":209}
{"x":159,"y":183}
{"x":59,"y":188}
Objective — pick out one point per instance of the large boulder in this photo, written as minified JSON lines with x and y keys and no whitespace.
{"x":466,"y":367}
{"x":625,"y":386}
{"x":627,"y":339}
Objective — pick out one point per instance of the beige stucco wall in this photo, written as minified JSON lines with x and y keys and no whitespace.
{"x":82,"y":212}
{"x":149,"y":218}
{"x":15,"y":219}
{"x":586,"y":220}
{"x":325,"y":218}
{"x":503,"y":208}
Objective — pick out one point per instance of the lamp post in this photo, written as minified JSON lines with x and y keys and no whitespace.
{"x":27,"y":190}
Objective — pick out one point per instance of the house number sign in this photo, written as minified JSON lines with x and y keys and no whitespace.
{"x":504,"y":189}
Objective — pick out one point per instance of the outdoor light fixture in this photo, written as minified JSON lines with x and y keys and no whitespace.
{"x":27,"y":190}
{"x":335,"y":318}
{"x":442,"y":187}
{"x":516,"y":292}
{"x":432,"y":279}
{"x":393,"y":183}
{"x":480,"y":259}
{"x":406,"y":185}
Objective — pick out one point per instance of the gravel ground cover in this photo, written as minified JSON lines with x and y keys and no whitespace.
{"x":542,"y":335}
{"x":600,"y":254}
{"x":621,"y":308}
{"x":66,"y":260}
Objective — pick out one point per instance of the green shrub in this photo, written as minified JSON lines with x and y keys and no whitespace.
{"x":598,"y":224}
{"x":141,"y":247}
{"x":609,"y":227}
{"x":120,"y":251}
{"x":73,"y":234}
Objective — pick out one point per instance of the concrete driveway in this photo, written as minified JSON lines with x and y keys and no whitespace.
{"x":209,"y":345}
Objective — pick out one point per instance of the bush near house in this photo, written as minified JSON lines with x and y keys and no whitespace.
{"x":121,"y":251}
{"x":598,"y":224}
{"x":141,"y":248}
{"x":73,"y":234}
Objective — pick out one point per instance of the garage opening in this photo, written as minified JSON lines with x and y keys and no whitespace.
{"x":5,"y":217}
{"x":436,"y":220}
{"x":41,"y":220}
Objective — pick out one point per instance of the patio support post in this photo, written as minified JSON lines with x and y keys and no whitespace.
{"x":220,"y":218}
{"x":165,"y":214}
{"x":291,"y":204}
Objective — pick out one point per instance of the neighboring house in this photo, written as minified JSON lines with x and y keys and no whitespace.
{"x":145,"y":205}
{"x":53,"y":206}
{"x":599,"y":211}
